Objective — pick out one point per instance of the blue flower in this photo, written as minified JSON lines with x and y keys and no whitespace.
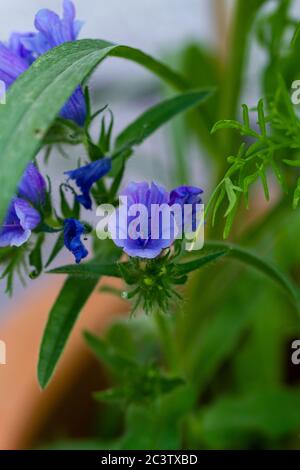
{"x":20,"y":220}
{"x":22,"y":217}
{"x":11,"y":65}
{"x":73,"y":230}
{"x":23,"y":49}
{"x":32,"y":186}
{"x":147,"y":245}
{"x":184,"y":195}
{"x":86,"y":176}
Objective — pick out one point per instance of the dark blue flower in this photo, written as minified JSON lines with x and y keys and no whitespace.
{"x":187,"y":195}
{"x":22,"y":217}
{"x":73,"y":230}
{"x":86,"y":176}
{"x":147,"y":245}
{"x":23,"y":49}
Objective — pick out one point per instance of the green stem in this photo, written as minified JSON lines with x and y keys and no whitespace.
{"x":243,"y":18}
{"x":168,"y":341}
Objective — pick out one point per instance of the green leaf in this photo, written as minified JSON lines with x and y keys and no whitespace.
{"x":106,"y":353}
{"x":66,"y":210}
{"x":158,"y":115}
{"x":185,"y":268}
{"x":296,"y":197}
{"x":208,"y":347}
{"x":231,"y":124}
{"x":271,"y":413}
{"x":58,"y":246}
{"x":160,"y":422}
{"x":292,"y":162}
{"x":246,"y":115}
{"x":261,"y":118}
{"x":88,"y":270}
{"x":36,"y":98}
{"x":263,"y":177}
{"x":230,"y":189}
{"x":60,"y":323}
{"x":35,"y":257}
{"x":64,"y":314}
{"x":266,"y":267}
{"x":262,"y":265}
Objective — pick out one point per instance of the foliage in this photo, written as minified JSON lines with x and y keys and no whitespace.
{"x":207,"y":366}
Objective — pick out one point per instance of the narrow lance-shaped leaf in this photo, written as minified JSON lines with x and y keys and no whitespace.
{"x":64,"y":314}
{"x":158,"y":115}
{"x":153,"y":119}
{"x":264,"y":266}
{"x":91,"y":269}
{"x":36,"y":98}
{"x":185,"y":268}
{"x":61,"y":321}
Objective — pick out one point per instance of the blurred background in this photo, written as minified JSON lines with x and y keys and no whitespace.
{"x":232,"y":341}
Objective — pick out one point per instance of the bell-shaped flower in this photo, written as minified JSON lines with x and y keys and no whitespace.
{"x":86,"y":176}
{"x":73,"y":230}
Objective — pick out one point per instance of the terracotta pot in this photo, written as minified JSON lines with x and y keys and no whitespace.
{"x":25,"y":411}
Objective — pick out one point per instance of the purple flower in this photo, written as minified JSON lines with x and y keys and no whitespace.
{"x":73,"y":230}
{"x":11,"y":65}
{"x":22,"y":217}
{"x":142,"y":235}
{"x":23,"y":49}
{"x":32,"y":186}
{"x":20,"y":220}
{"x":86,"y":176}
{"x":184,"y":195}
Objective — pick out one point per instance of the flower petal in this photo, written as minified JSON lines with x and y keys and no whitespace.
{"x":69,"y":14}
{"x":20,"y":219}
{"x":73,"y":229}
{"x":55,"y":30}
{"x":28,"y":216}
{"x":17,"y":44}
{"x":75,"y":108}
{"x":86,"y":176}
{"x":32,"y":185}
{"x":11,"y":65}
{"x":144,"y":246}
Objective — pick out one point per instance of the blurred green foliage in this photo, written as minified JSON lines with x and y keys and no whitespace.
{"x":217,"y":373}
